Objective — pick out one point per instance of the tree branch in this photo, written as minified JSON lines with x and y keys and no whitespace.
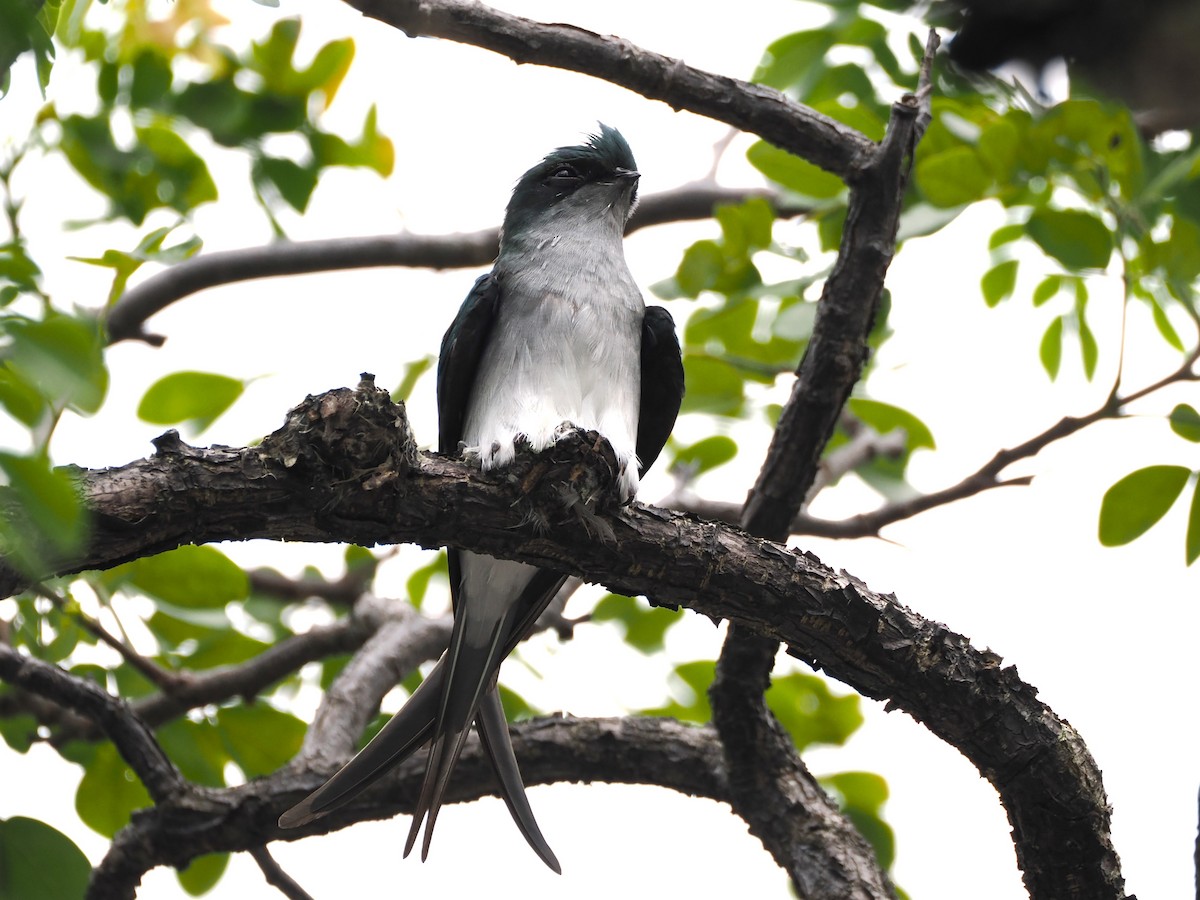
{"x":343,"y":469}
{"x":128,"y":733}
{"x":638,"y":750}
{"x":126,"y":319}
{"x":754,"y":108}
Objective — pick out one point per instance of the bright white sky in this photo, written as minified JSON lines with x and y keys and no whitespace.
{"x":1107,"y":635}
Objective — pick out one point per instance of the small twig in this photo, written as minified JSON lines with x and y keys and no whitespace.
{"x":165,"y":680}
{"x":276,"y":877}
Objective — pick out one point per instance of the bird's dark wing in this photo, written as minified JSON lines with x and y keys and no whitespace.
{"x":462,"y":348}
{"x":662,"y":384}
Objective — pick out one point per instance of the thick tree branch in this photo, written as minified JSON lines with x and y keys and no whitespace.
{"x":126,"y":319}
{"x":766,"y":773}
{"x":343,"y":469}
{"x":638,"y":750}
{"x":754,"y":108}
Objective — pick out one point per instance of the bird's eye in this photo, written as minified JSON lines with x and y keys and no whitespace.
{"x":566,"y":173}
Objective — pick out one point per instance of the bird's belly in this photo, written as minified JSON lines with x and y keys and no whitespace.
{"x":574,"y":363}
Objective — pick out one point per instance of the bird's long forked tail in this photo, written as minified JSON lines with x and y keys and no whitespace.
{"x":471,"y":668}
{"x":493,"y":731}
{"x":399,"y":738}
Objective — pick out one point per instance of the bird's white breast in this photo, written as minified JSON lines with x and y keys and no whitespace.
{"x":566,"y":347}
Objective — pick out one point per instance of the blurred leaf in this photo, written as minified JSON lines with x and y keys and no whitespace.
{"x":1185,"y":422}
{"x":1193,"y":526}
{"x":418,"y":581}
{"x":295,"y":183}
{"x":1050,"y":351}
{"x":999,"y":281}
{"x":691,"y":680}
{"x":1046,"y":289}
{"x":197,"y":749}
{"x":644,"y":626}
{"x":21,"y":399}
{"x":38,"y":862}
{"x":19,"y":732}
{"x":1088,"y":347}
{"x":861,"y":796}
{"x":713,"y":386}
{"x":884,"y":417}
{"x":196,"y":398}
{"x":1075,"y":238}
{"x":63,"y":356}
{"x":188,"y":577}
{"x":1132,"y":505}
{"x":952,"y":177}
{"x":52,"y":517}
{"x":810,"y":712}
{"x":412,"y":374}
{"x":259,"y":738}
{"x":516,"y":707}
{"x":794,"y":173}
{"x":202,"y":873}
{"x":706,"y":454}
{"x":108,"y":793}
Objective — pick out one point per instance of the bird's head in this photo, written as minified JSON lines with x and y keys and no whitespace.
{"x":594,"y":181}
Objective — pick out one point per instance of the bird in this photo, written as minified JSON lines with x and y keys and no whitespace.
{"x":556,"y":336}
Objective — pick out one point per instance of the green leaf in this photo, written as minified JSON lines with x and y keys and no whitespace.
{"x":259,"y":738}
{"x":1088,"y":347}
{"x":691,"y":681}
{"x":516,"y":707}
{"x":203,"y":873}
{"x":1050,"y":351}
{"x":38,"y":862}
{"x":885,"y":417}
{"x":795,"y":60}
{"x":1046,"y":289}
{"x":19,"y":732}
{"x":52,"y":519}
{"x":644,"y":626}
{"x":1077,"y":239}
{"x":713,"y":386}
{"x":861,"y":796}
{"x":294,"y":182}
{"x":953,"y":177}
{"x":196,"y":398}
{"x":1185,"y":422}
{"x":197,"y":749}
{"x":706,"y":454}
{"x":418,"y":581}
{"x":21,"y":399}
{"x":812,"y":713}
{"x":108,"y":793}
{"x":794,"y":173}
{"x":1162,"y":323}
{"x":188,"y":577}
{"x":701,"y":266}
{"x":1193,"y":527}
{"x":1132,"y":505}
{"x":63,"y":356}
{"x":999,"y":281}
{"x":412,"y":374}
{"x":1006,"y":234}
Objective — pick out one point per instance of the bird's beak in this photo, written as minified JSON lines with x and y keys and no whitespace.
{"x":628,"y":174}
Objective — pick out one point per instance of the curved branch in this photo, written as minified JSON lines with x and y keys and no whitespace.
{"x":341,"y":470}
{"x":754,"y":108}
{"x":126,"y":319}
{"x":630,"y":751}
